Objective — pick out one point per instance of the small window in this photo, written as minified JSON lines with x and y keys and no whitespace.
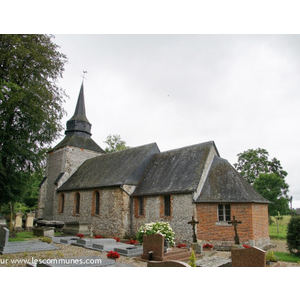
{"x":61,"y":203}
{"x":167,"y":206}
{"x":141,"y":206}
{"x":224,"y":212}
{"x":77,"y":203}
{"x":97,"y":203}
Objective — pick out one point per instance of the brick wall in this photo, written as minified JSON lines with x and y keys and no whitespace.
{"x":253,"y":229}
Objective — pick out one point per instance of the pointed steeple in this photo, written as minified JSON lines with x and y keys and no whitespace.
{"x":79,"y":124}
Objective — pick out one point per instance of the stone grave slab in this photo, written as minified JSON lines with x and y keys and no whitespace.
{"x":129,"y":251}
{"x":76,"y":227}
{"x":66,"y":240}
{"x":43,"y":231}
{"x":17,"y":247}
{"x":104,"y":244}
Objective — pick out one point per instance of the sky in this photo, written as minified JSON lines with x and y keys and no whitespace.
{"x":240,"y":91}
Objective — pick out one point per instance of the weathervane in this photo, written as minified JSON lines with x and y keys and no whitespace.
{"x":84,"y":72}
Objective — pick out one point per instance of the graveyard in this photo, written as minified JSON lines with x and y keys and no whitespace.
{"x":56,"y":247}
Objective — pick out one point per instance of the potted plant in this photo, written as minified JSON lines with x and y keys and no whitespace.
{"x":159,"y":227}
{"x":132,"y":242}
{"x":97,"y":236}
{"x":113,"y":255}
{"x":207,"y":247}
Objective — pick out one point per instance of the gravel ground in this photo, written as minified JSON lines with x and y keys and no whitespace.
{"x":65,"y":251}
{"x":68,"y":251}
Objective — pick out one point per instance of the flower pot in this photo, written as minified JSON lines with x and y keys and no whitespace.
{"x":207,"y":249}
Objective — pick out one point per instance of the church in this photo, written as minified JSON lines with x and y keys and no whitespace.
{"x":116,"y":193}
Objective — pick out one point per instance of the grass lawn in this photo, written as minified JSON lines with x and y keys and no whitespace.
{"x":280,"y":231}
{"x":22,"y":236}
{"x":25,"y":236}
{"x":288,"y":257}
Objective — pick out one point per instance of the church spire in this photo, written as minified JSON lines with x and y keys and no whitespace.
{"x":79,"y":124}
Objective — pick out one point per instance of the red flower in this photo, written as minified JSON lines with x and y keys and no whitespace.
{"x":246,"y":246}
{"x":80,"y":235}
{"x":132,"y":242}
{"x":181,"y":246}
{"x":207,"y":245}
{"x":112,"y":254}
{"x":117,"y":239}
{"x":97,"y":236}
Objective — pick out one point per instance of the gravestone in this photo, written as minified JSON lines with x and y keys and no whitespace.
{"x":18,"y":221}
{"x":248,"y":257}
{"x":4,"y":234}
{"x":153,"y":247}
{"x":29,"y":220}
{"x":2,"y":221}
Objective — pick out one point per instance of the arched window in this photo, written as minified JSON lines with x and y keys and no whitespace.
{"x":61,"y":204}
{"x":141,"y":206}
{"x":167,"y":206}
{"x":77,"y":204}
{"x":96,"y":203}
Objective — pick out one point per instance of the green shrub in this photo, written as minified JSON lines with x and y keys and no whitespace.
{"x":192,"y":260}
{"x":293,"y":235}
{"x":271,"y":256}
{"x":159,"y":227}
{"x":46,"y":239}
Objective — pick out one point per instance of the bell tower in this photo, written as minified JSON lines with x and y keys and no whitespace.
{"x":65,"y":158}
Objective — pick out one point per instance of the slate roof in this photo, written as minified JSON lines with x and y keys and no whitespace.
{"x":225,"y":184}
{"x":175,"y":171}
{"x":78,"y":132}
{"x":80,"y":142}
{"x":115,"y":169}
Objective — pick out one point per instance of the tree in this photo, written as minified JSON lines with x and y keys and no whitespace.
{"x":115,"y":143}
{"x":274,"y":189}
{"x":266,"y":176}
{"x":30,"y":108}
{"x":252,"y":162}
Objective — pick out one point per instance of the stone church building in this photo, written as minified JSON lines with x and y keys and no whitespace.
{"x":116,"y":193}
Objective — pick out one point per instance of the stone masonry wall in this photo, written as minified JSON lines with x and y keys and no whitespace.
{"x":66,"y":160}
{"x":253,"y":229}
{"x":182,"y":210}
{"x":113,"y":219}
